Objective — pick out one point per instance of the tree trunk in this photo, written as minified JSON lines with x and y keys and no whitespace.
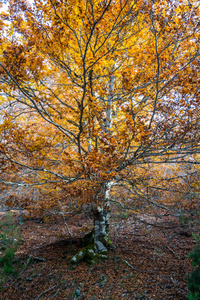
{"x":97,"y":242}
{"x":102,"y":215}
{"x":101,"y":228}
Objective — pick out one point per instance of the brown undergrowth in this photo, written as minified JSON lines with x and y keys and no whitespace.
{"x":148,"y":262}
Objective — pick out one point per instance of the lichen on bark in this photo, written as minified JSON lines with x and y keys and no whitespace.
{"x":97,"y":243}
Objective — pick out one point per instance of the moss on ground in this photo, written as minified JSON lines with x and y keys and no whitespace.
{"x":89,"y":253}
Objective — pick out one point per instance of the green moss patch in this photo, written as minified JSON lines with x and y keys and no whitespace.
{"x":92,"y":251}
{"x":88,"y":255}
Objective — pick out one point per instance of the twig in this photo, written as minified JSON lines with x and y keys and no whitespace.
{"x":34,"y":258}
{"x":173,"y":252}
{"x":118,"y":202}
{"x":160,"y":226}
{"x":129,"y":264}
{"x":38,"y":258}
{"x":67,"y":229}
{"x":55,"y":293}
{"x":89,"y":218}
{"x":118,"y":227}
{"x":91,"y":269}
{"x":38,"y":297}
{"x":66,"y":225}
{"x":65,"y":222}
{"x":28,"y":260}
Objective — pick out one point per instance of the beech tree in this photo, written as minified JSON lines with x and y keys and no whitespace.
{"x":95,"y":92}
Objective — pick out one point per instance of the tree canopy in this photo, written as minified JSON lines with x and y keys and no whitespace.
{"x":97,"y":92}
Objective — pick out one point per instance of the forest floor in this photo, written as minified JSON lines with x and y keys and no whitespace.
{"x":150,"y":261}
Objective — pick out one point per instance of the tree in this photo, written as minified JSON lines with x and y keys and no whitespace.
{"x":96,"y":91}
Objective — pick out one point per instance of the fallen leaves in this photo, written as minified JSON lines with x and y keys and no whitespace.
{"x":141,"y":266}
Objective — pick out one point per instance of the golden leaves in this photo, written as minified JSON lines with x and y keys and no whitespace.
{"x":99,"y":86}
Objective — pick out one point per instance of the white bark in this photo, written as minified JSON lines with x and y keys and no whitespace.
{"x":109,"y":110}
{"x":102,"y":212}
{"x":102,"y":217}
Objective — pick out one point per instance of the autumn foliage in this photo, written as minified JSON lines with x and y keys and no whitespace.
{"x":94,"y":92}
